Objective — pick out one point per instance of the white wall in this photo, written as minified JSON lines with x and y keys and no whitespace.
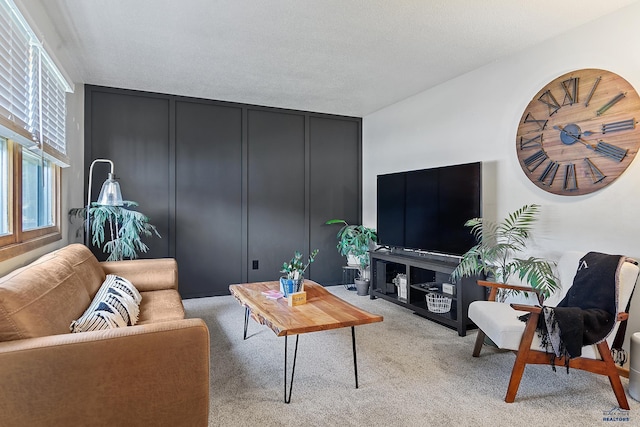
{"x":475,"y":117}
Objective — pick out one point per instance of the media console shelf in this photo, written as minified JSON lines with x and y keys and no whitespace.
{"x":425,"y":273}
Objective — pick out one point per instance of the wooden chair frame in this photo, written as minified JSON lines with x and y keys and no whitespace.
{"x":525,"y":355}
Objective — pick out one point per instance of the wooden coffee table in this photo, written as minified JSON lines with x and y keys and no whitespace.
{"x":323,"y":311}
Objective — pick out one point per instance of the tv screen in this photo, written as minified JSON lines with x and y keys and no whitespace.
{"x":426,"y":209}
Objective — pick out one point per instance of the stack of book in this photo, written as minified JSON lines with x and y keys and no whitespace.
{"x":272,"y":294}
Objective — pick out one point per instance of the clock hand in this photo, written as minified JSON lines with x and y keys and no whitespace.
{"x":611,"y":151}
{"x":575,"y":138}
{"x":622,"y":125}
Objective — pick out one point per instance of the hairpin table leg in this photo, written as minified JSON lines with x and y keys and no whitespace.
{"x":246,"y":322}
{"x":293,"y":369}
{"x":355,"y":361}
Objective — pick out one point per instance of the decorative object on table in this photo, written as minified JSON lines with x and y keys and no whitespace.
{"x":294,"y":271}
{"x":578,"y":133}
{"x":126,"y":227}
{"x":354,"y":242}
{"x":297,"y":298}
{"x":495,"y":253}
{"x":272,"y":294}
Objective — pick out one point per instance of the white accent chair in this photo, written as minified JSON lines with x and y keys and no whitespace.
{"x":500,"y":322}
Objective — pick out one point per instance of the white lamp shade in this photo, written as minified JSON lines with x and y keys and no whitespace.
{"x":110,"y":194}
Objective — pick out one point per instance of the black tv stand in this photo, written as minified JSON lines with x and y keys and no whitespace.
{"x":426,"y":273}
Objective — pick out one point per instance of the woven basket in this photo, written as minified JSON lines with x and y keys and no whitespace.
{"x":437,"y":303}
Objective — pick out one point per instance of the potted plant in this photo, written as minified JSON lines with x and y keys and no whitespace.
{"x":294,"y":273}
{"x":495,"y":254}
{"x":125,"y":227}
{"x":354,"y":242}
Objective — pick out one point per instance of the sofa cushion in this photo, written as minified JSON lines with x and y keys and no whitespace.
{"x":159,"y":306}
{"x":115,"y":305}
{"x":41,"y":299}
{"x":146,"y":274}
{"x":85,"y":265}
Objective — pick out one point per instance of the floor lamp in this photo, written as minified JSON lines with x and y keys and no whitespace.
{"x":110,"y":195}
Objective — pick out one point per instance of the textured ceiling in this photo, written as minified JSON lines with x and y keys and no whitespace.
{"x":334,"y":56}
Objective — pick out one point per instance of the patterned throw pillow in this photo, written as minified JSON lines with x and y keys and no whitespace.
{"x":115,"y":305}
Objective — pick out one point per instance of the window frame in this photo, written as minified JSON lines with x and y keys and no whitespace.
{"x":32,"y":117}
{"x":18,"y":242}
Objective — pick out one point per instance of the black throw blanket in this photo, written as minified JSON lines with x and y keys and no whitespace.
{"x":588,"y":312}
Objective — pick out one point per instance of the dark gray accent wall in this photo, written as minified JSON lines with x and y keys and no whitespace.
{"x":234,"y":189}
{"x":208,"y":196}
{"x":133,"y":132}
{"x":334,"y":174}
{"x":276,"y":201}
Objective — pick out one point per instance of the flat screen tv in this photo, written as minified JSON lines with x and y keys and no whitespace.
{"x":426,"y":209}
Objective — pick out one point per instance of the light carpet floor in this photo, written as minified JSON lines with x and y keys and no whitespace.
{"x":411,"y":371}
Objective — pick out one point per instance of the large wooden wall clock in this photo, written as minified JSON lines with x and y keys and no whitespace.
{"x":579,"y":133}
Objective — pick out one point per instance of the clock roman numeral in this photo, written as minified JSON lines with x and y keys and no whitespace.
{"x":570,"y":88}
{"x":549,"y":173}
{"x":618,"y":126}
{"x":570,"y":180}
{"x":534,"y":142}
{"x":610,"y":104}
{"x":611,"y":151}
{"x":549,"y":100}
{"x":595,"y":173}
{"x":535,"y":160}
{"x":592,"y":91}
{"x":530,"y":119}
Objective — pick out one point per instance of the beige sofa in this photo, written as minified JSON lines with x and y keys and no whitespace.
{"x":155,"y":373}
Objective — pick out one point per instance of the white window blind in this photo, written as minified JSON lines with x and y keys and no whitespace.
{"x":53,"y":109}
{"x":14,"y":74}
{"x":32,"y":89}
{"x":5,"y":188}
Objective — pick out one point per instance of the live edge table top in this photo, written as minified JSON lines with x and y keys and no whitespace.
{"x":323,"y":310}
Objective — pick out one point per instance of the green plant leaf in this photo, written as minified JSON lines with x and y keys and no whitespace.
{"x":336,"y":221}
{"x":497,"y":247}
{"x":295,"y":268}
{"x":124,"y":227}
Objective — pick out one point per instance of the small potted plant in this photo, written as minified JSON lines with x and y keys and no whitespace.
{"x":354,"y":242}
{"x":294,"y":273}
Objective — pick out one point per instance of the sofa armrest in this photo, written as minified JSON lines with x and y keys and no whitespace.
{"x":156,"y":374}
{"x":146,"y":274}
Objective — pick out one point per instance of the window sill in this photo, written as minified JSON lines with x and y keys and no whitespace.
{"x":13,"y":250}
